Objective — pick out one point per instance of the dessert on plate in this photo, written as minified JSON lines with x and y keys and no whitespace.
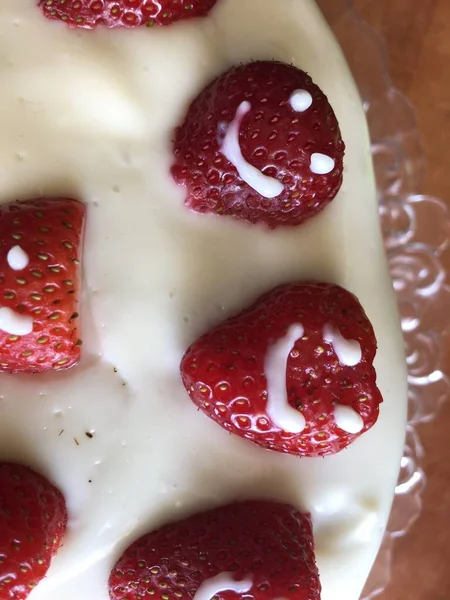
{"x":202,"y":379}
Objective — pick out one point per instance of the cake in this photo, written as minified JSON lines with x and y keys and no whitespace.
{"x":90,"y":115}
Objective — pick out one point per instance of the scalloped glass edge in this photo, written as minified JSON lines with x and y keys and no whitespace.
{"x":416,"y":230}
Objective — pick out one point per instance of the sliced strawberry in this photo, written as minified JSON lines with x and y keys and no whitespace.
{"x":292,"y":373}
{"x":40,"y":253}
{"x":262,"y":549}
{"x":88,"y":14}
{"x":33,"y":519}
{"x":286,"y":131}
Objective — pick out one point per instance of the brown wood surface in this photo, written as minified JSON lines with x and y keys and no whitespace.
{"x":417,"y":33}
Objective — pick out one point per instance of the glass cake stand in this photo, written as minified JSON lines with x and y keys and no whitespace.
{"x":416,"y":230}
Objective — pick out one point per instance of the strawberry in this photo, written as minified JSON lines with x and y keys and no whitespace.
{"x":33,"y":520}
{"x":260,"y":143}
{"x":292,"y":373}
{"x":40,"y":248}
{"x":88,"y":14}
{"x":264,"y":549}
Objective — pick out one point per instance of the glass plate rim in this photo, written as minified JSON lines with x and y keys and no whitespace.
{"x":414,"y":247}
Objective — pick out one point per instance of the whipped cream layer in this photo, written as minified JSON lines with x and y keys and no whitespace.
{"x":91,"y":115}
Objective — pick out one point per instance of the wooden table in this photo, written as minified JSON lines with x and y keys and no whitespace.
{"x":418,"y":37}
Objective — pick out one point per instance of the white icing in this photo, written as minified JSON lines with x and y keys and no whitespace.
{"x":221,"y":583}
{"x":279,"y":410}
{"x":269,"y":187}
{"x":300,"y":100}
{"x":348,"y":419}
{"x":348,"y":351}
{"x":17,"y":258}
{"x":321,"y":164}
{"x":14,"y":323}
{"x":156,"y":277}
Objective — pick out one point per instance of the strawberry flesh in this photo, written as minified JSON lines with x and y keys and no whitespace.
{"x":47,"y":289}
{"x":89,"y":14}
{"x":268,"y":543}
{"x":224,"y":371}
{"x":276,"y":139}
{"x":33,"y":519}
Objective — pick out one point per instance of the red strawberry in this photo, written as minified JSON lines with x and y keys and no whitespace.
{"x":263,"y":548}
{"x":292,"y":373}
{"x":40,"y":248}
{"x":123,"y":13}
{"x":33,"y":520}
{"x":284,"y":127}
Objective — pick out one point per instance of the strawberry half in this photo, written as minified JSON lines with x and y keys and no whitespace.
{"x":262,"y":549}
{"x":33,"y":521}
{"x":40,"y":252}
{"x":89,"y":14}
{"x":260,"y":143}
{"x":292,"y":373}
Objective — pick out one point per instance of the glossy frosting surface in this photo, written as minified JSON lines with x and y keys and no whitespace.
{"x":90,"y":115}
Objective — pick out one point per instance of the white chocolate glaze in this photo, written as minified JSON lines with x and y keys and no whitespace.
{"x":14,"y":323}
{"x":231,"y":149}
{"x":91,"y":115}
{"x":349,"y":352}
{"x":321,"y":164}
{"x":300,"y":100}
{"x":221,"y":583}
{"x":17,"y":258}
{"x":348,"y":419}
{"x":282,"y":414}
